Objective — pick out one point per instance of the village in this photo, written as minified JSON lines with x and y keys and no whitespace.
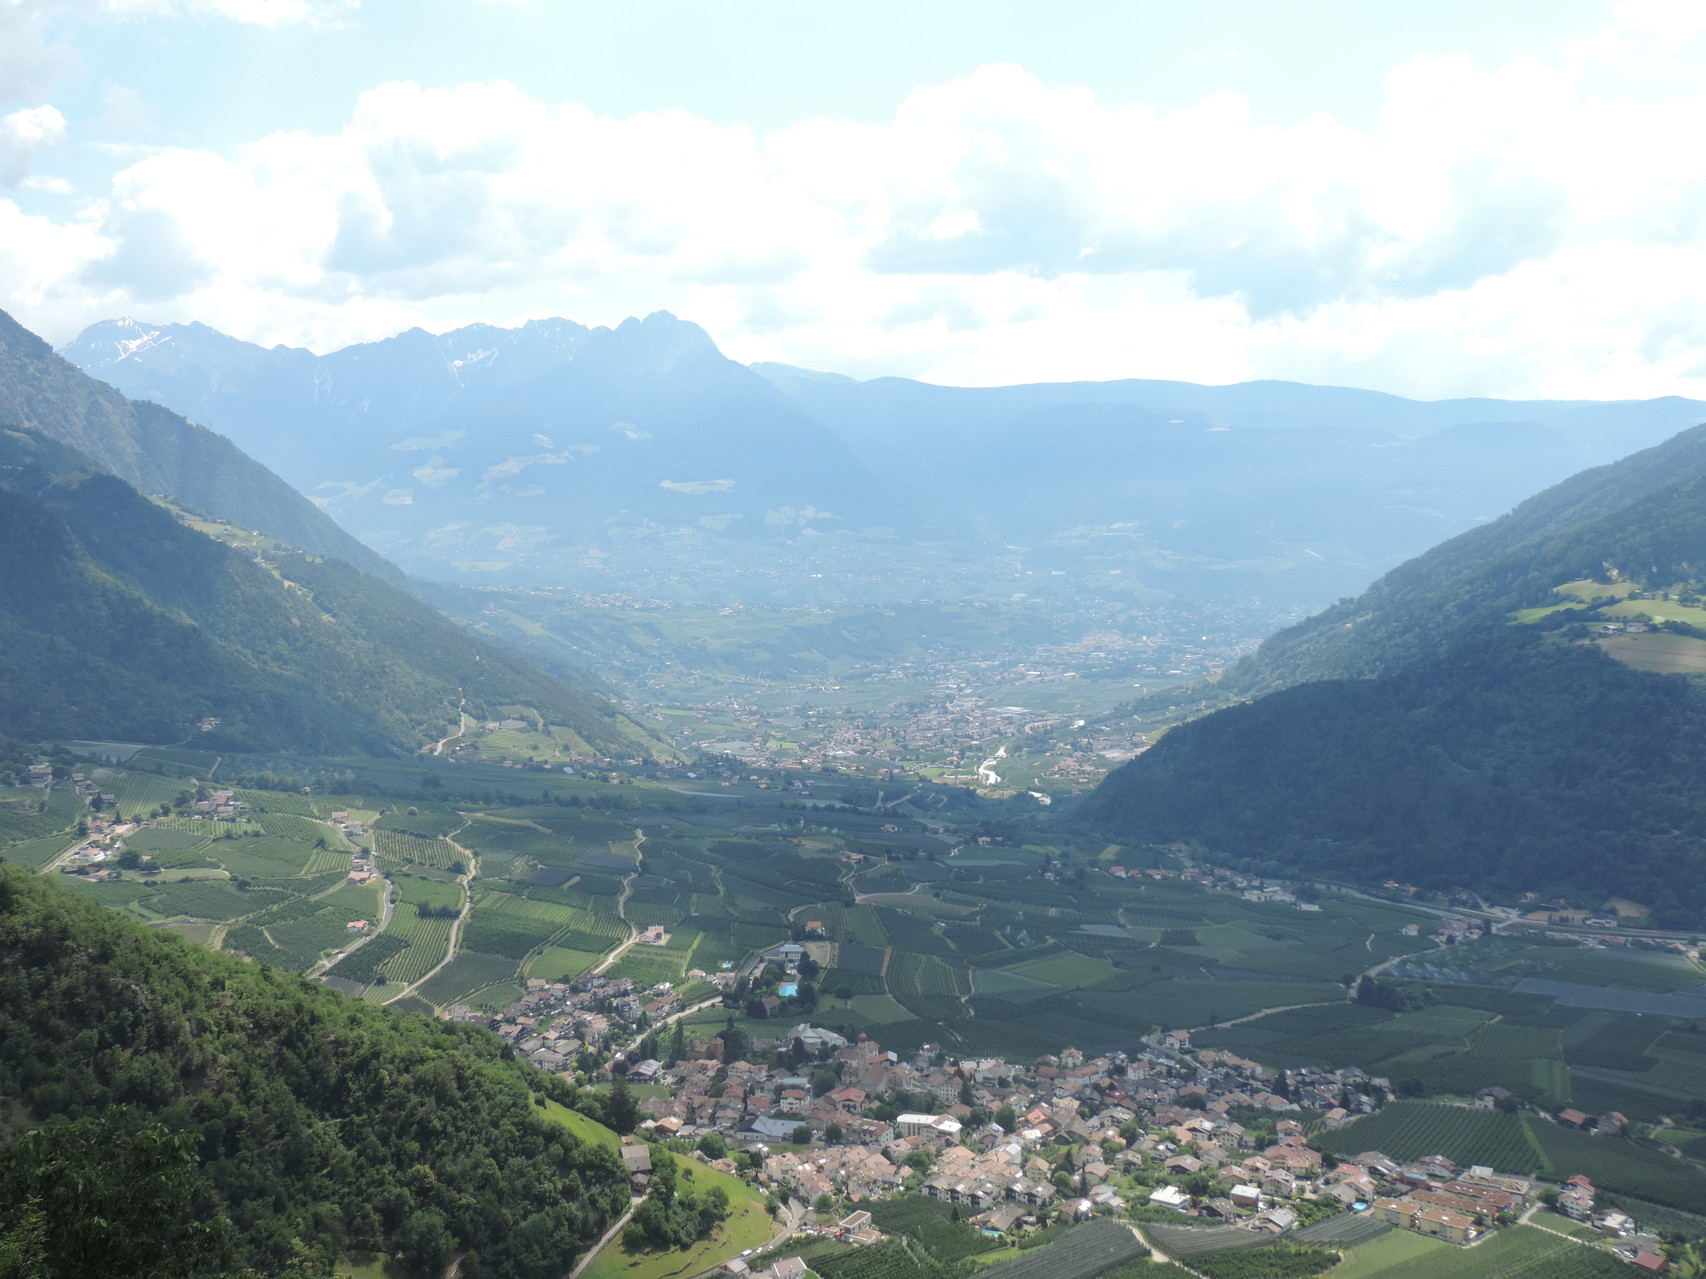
{"x":1173,"y":1134}
{"x":825,"y":1123}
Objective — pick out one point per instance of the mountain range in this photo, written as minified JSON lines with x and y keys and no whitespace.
{"x":527,"y":452}
{"x":554,"y":453}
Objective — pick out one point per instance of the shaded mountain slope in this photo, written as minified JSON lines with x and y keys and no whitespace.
{"x":120,"y":621}
{"x":1511,"y":764}
{"x":159,"y":452}
{"x":1420,"y":733}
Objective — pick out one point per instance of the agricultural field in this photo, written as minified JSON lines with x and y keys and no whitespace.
{"x":1388,"y":1253}
{"x":1519,"y":1252}
{"x":1623,"y":1167}
{"x":275,"y":893}
{"x":1411,"y":1129}
{"x":1281,"y":1261}
{"x":1012,"y":948}
{"x":38,"y":816}
{"x":1081,"y":1252}
{"x":1544,"y":1052}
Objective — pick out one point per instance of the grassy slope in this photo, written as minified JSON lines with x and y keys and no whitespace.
{"x":748,"y":1226}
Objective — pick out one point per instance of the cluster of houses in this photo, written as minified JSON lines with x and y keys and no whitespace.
{"x":1080,"y":1127}
{"x":1452,"y":930}
{"x":1634,"y":1245}
{"x":1206,"y":1133}
{"x":220,"y":804}
{"x":1613,"y":1122}
{"x":86,"y":787}
{"x":1431,"y":1196}
{"x":553,"y":1022}
{"x":341,"y":819}
{"x":361,"y":867}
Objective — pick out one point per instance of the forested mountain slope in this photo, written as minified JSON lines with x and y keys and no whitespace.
{"x":120,"y":621}
{"x":1424,"y":733}
{"x":1514,"y":763}
{"x":159,"y":452}
{"x":210,"y":1117}
{"x":1607,"y":515}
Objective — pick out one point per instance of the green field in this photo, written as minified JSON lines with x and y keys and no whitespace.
{"x":1658,"y":651}
{"x":1519,"y":1252}
{"x":1411,"y":1129}
{"x":976,"y":952}
{"x":588,"y":1130}
{"x":1619,"y":1165}
{"x":748,"y":1226}
{"x":1391,"y":1252}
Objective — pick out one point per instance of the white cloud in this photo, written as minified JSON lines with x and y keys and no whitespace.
{"x":22,"y":134}
{"x":1515,"y":230}
{"x":698,"y":488}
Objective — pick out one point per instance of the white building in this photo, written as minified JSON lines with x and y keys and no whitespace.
{"x":912,"y":1125}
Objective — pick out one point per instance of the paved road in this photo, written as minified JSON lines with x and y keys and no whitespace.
{"x":461,"y":728}
{"x":129,"y":828}
{"x":606,"y":1237}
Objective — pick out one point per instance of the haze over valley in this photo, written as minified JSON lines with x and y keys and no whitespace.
{"x":977,"y":642}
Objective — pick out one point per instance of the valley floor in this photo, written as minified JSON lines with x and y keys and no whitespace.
{"x":644,"y":919}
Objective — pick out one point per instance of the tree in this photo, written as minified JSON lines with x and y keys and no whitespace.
{"x":833,"y":1132}
{"x":621,"y":1111}
{"x":677,"y":1045}
{"x":1007,"y":1118}
{"x":426,"y":1244}
{"x":802,"y":1135}
{"x":824,"y":1203}
{"x":109,"y":1195}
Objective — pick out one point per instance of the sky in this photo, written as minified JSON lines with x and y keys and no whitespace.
{"x":1448,"y":199}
